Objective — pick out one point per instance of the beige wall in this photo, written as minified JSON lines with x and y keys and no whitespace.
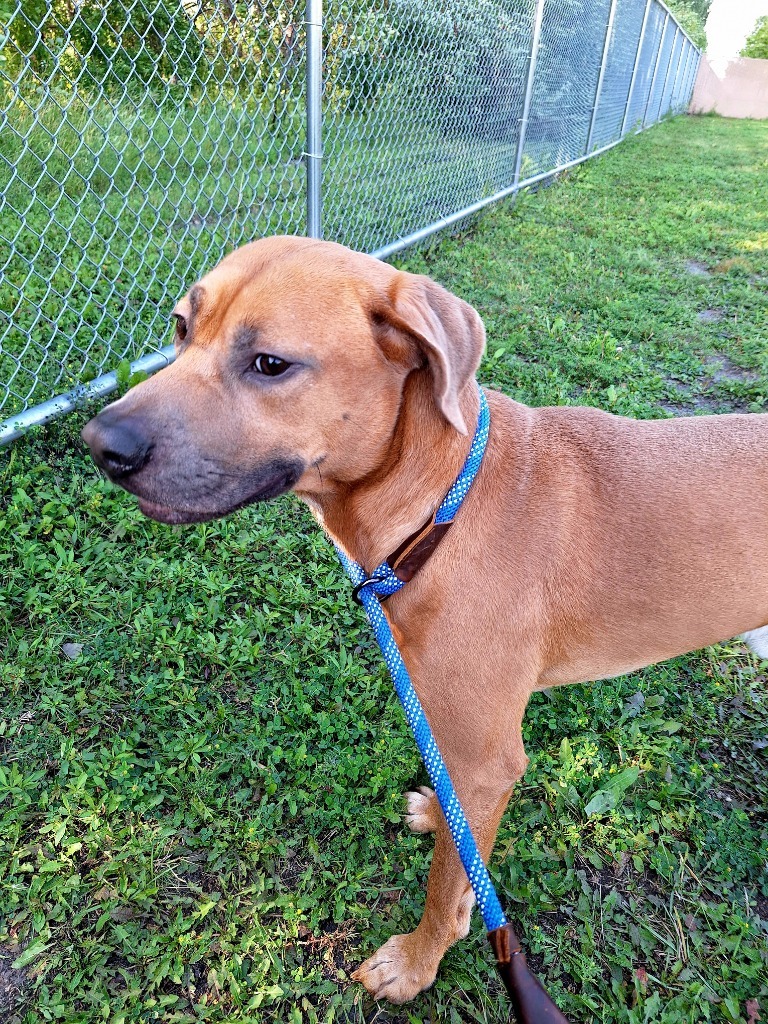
{"x":737,"y":88}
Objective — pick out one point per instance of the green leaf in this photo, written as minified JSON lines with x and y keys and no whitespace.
{"x":610,"y":796}
{"x":123,"y":372}
{"x":33,"y":950}
{"x":603,"y":800}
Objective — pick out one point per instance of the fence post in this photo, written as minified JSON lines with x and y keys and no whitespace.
{"x":314,"y":150}
{"x":695,"y":73}
{"x":682,"y":64}
{"x":692,"y":76}
{"x":640,"y":42}
{"x":673,"y":78}
{"x":601,"y":76}
{"x":677,"y":92}
{"x":655,"y":72}
{"x":690,"y":81}
{"x":666,"y":73}
{"x":528,"y":88}
{"x":682,"y":71}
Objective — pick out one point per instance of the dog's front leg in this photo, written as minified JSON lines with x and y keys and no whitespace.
{"x":406,"y":964}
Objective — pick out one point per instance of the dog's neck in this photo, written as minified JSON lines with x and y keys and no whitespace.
{"x":370,"y":518}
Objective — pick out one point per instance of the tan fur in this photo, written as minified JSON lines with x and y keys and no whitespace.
{"x":590,"y":545}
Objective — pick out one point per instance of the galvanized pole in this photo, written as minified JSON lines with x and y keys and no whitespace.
{"x":314,"y":150}
{"x":671,"y":106}
{"x":666,"y":75}
{"x":691,"y":83}
{"x":677,"y":92}
{"x":640,"y":42}
{"x":679,"y":75}
{"x":655,"y":72}
{"x":686,"y":77}
{"x":695,"y":75}
{"x":601,"y":76}
{"x":528,"y":88}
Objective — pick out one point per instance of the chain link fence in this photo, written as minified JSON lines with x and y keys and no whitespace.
{"x":141,"y":140}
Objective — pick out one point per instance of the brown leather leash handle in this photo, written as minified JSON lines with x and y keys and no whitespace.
{"x":530,"y":1002}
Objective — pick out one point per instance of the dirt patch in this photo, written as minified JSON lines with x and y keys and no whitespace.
{"x":710,"y":316}
{"x":11,"y":981}
{"x":677,"y":408}
{"x":697,"y":269}
{"x":334,"y":950}
{"x":721,"y":368}
{"x":715,"y":392}
{"x":690,"y":405}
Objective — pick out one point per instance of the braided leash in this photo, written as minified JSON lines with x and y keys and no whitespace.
{"x":382,"y":583}
{"x":530,"y":1001}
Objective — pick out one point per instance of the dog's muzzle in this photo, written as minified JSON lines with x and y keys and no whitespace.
{"x":118,"y":444}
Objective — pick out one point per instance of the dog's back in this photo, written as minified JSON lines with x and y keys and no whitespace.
{"x":635,"y":521}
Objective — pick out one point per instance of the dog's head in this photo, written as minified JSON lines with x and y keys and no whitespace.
{"x":292,"y":360}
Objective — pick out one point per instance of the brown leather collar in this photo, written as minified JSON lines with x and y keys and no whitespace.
{"x":406,"y":560}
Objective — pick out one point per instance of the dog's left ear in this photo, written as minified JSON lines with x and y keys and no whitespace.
{"x":447,"y":331}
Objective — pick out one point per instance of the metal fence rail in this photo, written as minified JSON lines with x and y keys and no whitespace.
{"x":141,"y":140}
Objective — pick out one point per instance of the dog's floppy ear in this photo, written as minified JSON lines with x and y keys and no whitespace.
{"x":447,"y":331}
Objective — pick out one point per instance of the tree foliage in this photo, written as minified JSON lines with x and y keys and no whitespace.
{"x":112,"y":44}
{"x":472,"y":61}
{"x":757,"y":41}
{"x":101,"y":42}
{"x":692,"y":16}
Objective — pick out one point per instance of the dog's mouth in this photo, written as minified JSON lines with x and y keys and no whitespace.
{"x":175,"y":516}
{"x":271,"y":482}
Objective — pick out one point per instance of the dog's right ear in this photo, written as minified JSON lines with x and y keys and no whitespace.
{"x":422,"y":322}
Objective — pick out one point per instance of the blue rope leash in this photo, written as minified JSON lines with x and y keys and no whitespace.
{"x":383,"y":583}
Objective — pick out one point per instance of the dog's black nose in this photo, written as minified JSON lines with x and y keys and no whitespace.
{"x":118,"y":444}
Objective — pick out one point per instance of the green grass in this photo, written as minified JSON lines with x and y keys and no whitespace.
{"x":200,"y":810}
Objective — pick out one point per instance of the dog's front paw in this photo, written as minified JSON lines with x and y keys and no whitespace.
{"x":424,"y":811}
{"x":399,"y":970}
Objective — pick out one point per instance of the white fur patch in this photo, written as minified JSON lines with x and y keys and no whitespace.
{"x":464,"y":914}
{"x":423,"y":810}
{"x":757,"y":639}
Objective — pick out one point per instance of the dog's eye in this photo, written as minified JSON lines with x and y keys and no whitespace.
{"x":181,"y":328}
{"x":269,"y":366}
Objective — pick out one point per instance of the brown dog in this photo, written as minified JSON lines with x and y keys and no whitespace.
{"x":589,"y":545}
